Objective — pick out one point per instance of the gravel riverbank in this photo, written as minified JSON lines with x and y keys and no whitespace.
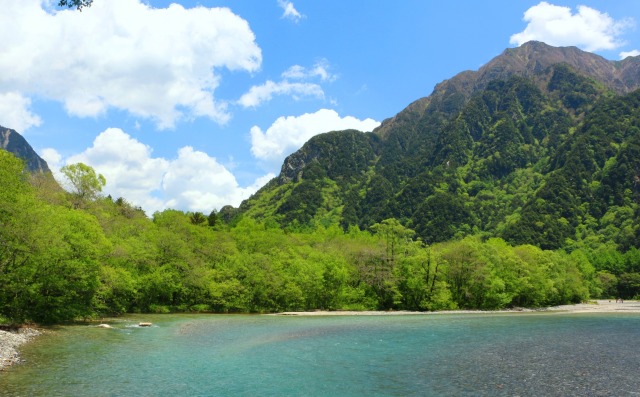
{"x":594,"y":306}
{"x":9,"y":342}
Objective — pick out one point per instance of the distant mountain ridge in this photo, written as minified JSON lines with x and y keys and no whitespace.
{"x":535,"y":146}
{"x":532,"y":60}
{"x":15,"y":143}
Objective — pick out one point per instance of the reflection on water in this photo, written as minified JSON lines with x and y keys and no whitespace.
{"x":235,"y":355}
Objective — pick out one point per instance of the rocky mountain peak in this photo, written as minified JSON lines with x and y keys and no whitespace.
{"x":533,"y":59}
{"x":15,"y":143}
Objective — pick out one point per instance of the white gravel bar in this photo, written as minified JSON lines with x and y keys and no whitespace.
{"x":9,"y":343}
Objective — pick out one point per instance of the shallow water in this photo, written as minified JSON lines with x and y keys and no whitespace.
{"x":426,"y":355}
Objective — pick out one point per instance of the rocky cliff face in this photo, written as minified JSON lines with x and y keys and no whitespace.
{"x":13,"y":142}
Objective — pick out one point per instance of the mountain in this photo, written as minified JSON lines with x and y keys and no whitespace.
{"x":533,"y":60}
{"x":13,"y":142}
{"x":539,"y":146}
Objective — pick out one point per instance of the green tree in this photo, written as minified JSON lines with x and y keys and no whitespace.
{"x":395,"y":236}
{"x":52,"y":274}
{"x":421,"y":280}
{"x":197,"y":218}
{"x":85,"y":184}
{"x":212,"y":219}
{"x":608,"y":284}
{"x":629,"y":285}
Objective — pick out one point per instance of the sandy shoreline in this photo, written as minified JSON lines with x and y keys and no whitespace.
{"x":599,"y":306}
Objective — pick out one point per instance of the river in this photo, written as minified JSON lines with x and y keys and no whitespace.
{"x":512,"y":354}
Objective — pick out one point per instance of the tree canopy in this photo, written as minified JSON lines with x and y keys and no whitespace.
{"x":84,"y":182}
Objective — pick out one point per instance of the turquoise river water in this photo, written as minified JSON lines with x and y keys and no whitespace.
{"x":529,"y":354}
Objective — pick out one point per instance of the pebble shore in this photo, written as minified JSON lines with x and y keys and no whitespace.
{"x":9,"y":343}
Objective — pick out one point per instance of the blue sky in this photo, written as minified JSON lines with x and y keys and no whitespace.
{"x":195,"y":104}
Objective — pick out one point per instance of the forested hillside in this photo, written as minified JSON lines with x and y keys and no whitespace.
{"x":66,"y":256}
{"x":516,"y":185}
{"x":537,"y":147}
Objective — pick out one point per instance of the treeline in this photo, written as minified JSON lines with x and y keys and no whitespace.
{"x":66,"y":256}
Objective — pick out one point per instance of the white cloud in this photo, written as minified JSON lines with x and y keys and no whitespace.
{"x":632,"y":53}
{"x":15,"y":113}
{"x":155,"y":63}
{"x":54,"y":161}
{"x":295,"y":83}
{"x":193,"y":181}
{"x":52,"y":157}
{"x":320,"y":70}
{"x":288,"y":134}
{"x":198,"y":182}
{"x":265,"y":92}
{"x":588,"y":29}
{"x":289,"y":11}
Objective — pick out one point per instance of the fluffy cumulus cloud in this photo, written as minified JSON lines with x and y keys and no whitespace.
{"x":198,"y":182}
{"x":289,"y":11}
{"x":15,"y":112}
{"x":159,"y":64}
{"x":588,"y":28}
{"x":288,"y":134}
{"x":192,"y":181}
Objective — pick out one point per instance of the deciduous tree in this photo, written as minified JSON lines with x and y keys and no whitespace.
{"x":85,"y":183}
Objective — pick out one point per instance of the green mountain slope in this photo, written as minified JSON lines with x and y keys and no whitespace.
{"x":539,"y":147}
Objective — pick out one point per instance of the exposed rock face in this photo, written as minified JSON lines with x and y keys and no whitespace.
{"x":13,"y":142}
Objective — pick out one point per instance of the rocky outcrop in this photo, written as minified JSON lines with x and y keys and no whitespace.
{"x":13,"y":142}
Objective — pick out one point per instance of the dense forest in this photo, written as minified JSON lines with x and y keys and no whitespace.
{"x":72,"y":255}
{"x":505,"y":188}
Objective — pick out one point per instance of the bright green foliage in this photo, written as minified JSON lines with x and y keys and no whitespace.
{"x":85,"y":184}
{"x":49,"y":256}
{"x":525,"y":194}
{"x":60,"y":264}
{"x":59,"y":277}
